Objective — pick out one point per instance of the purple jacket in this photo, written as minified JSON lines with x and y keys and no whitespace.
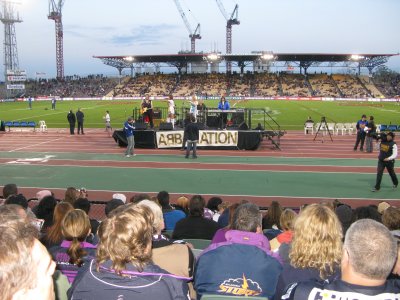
{"x":61,"y":257}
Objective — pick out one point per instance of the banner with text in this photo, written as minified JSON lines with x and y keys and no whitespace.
{"x":211,"y":138}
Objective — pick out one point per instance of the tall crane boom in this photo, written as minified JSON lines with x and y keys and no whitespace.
{"x":232,"y":20}
{"x":192,"y":35}
{"x":55,"y":13}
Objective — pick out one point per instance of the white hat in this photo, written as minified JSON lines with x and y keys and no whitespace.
{"x":121,"y":197}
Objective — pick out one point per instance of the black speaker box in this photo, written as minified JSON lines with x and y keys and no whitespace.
{"x":140,"y":126}
{"x":165,"y":126}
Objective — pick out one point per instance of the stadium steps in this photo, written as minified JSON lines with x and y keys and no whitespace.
{"x":370,"y":85}
{"x":368,"y":91}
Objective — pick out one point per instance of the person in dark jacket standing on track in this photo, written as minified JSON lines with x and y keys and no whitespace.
{"x":361,"y":124}
{"x":192,"y":135}
{"x":71,"y":120}
{"x":387,"y":155}
{"x":80,"y":117}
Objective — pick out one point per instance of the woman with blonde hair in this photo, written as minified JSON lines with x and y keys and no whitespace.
{"x":316,"y":248}
{"x":74,"y":251}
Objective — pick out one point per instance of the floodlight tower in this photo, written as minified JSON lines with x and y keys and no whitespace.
{"x":55,"y":13}
{"x":192,"y":35}
{"x":232,"y":20}
{"x":9,"y":17}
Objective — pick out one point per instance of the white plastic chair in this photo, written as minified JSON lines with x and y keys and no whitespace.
{"x":349,"y":127}
{"x":340,"y":127}
{"x":308,"y":127}
{"x":42,"y":126}
{"x":331,"y":127}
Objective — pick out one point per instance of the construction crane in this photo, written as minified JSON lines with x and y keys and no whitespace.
{"x":192,"y":35}
{"x":230,"y":20}
{"x":55,"y":13}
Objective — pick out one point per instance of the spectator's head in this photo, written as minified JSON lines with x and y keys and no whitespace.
{"x":119,"y":196}
{"x":371,"y":118}
{"x":231,"y":213}
{"x":17,"y":199}
{"x":287,"y":219}
{"x":126,"y":238}
{"x":196,"y":206}
{"x":391,"y":218}
{"x":54,"y":234}
{"x":71,"y":194}
{"x":26,"y":268}
{"x":367,"y":212}
{"x":12,"y":212}
{"x":382,"y":206}
{"x":183,"y":202}
{"x":317,"y":240}
{"x":213,"y":203}
{"x":369,"y":253}
{"x":163,"y":199}
{"x":75,"y":227}
{"x":130,"y":119}
{"x":82,"y":203}
{"x":345,"y":215}
{"x":247,"y":218}
{"x":10,"y":189}
{"x":45,"y":209}
{"x":41,"y":194}
{"x":111,"y":205}
{"x":158,"y":224}
{"x":138,"y":197}
{"x":274,"y":213}
{"x":363,"y":117}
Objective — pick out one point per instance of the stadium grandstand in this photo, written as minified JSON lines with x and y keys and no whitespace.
{"x":191,"y":77}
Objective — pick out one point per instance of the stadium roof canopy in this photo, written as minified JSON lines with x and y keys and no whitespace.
{"x":305,"y":60}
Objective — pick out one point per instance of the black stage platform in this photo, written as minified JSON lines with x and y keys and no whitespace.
{"x":247,"y":139}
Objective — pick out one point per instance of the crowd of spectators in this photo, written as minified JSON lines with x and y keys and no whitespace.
{"x":388,"y":83}
{"x":294,"y":85}
{"x":144,"y":248}
{"x":323,"y":86}
{"x":350,"y":86}
{"x":72,"y":86}
{"x":215,"y":84}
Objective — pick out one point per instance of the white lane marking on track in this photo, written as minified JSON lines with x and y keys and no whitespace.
{"x":41,"y":143}
{"x":27,"y":161}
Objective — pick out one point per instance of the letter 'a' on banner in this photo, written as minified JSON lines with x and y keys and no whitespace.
{"x":213,"y":138}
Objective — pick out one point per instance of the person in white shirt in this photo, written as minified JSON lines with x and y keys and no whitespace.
{"x":171,"y":110}
{"x":107,"y":119}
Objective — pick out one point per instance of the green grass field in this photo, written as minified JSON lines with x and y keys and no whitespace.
{"x":289,"y":114}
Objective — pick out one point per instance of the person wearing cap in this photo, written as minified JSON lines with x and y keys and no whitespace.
{"x":361,"y":124}
{"x":386,"y":158}
{"x":129,"y":130}
{"x":121,"y":197}
{"x":41,"y":194}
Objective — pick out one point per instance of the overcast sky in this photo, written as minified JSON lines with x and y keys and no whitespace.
{"x":129,"y":27}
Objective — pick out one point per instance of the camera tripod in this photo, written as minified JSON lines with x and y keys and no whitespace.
{"x":323,"y":125}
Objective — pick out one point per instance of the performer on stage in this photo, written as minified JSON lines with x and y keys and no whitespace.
{"x":171,"y":110}
{"x":223,"y":105}
{"x":147,"y":111}
{"x":193,"y":106}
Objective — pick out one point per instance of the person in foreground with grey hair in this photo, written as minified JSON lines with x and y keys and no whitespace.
{"x":369,"y":254}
